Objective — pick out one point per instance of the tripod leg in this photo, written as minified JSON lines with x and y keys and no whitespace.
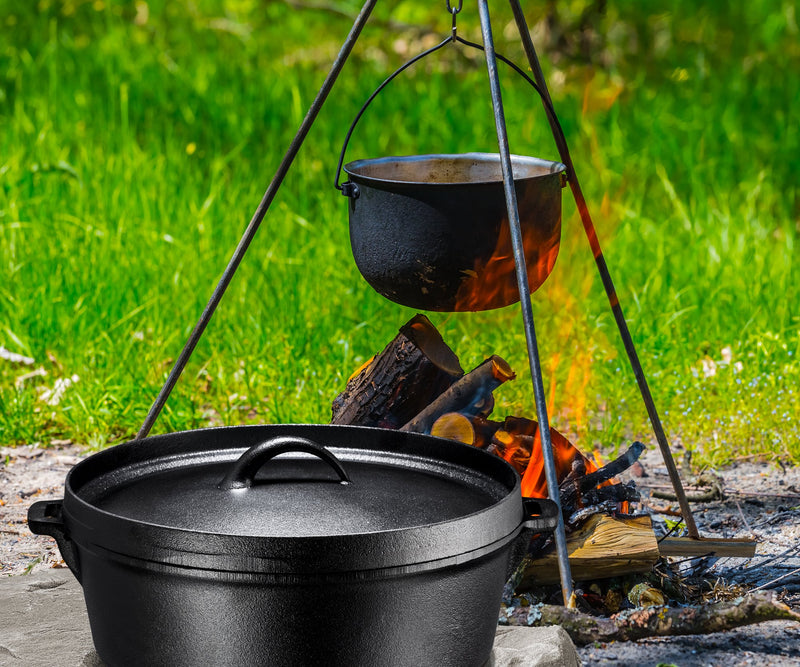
{"x":525,"y":300}
{"x":255,"y":222}
{"x":605,"y":276}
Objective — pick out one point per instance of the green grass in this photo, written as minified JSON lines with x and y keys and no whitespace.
{"x":136,"y":139}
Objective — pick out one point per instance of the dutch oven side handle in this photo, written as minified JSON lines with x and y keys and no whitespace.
{"x":45,"y":517}
{"x":541,"y":516}
{"x":541,"y":513}
{"x":243,"y":472}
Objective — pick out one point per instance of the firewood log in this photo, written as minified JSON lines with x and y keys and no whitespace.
{"x":603,"y":547}
{"x":471,"y":395}
{"x":395,"y":385}
{"x":454,"y":426}
{"x":635,"y":624}
{"x":475,"y":431}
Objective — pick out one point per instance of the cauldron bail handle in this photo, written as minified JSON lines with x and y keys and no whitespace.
{"x":349,"y":189}
{"x":242,"y":473}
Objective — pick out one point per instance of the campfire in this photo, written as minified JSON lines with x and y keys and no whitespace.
{"x":417,"y":384}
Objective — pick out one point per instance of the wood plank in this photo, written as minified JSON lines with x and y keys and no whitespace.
{"x":603,"y":547}
{"x":687,"y":546}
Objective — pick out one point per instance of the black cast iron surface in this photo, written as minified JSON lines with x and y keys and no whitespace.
{"x":430,"y":231}
{"x":397,"y":554}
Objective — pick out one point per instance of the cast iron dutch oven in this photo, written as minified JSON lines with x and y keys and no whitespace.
{"x":357,"y":546}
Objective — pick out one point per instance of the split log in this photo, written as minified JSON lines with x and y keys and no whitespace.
{"x":395,"y":385}
{"x":634,"y":624}
{"x":471,"y":395}
{"x":603,"y":547}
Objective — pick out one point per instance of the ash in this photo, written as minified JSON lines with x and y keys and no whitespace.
{"x":760,"y":501}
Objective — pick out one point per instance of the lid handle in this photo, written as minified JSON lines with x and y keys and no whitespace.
{"x":243,"y":472}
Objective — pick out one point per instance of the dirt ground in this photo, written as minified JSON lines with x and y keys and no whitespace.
{"x":761,"y":500}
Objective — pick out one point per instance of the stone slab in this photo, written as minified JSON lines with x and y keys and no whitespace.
{"x":43,"y":623}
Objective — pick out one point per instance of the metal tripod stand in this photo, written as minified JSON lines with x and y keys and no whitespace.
{"x":518,"y":250}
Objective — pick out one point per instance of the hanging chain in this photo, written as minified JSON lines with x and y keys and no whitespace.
{"x":454,"y":12}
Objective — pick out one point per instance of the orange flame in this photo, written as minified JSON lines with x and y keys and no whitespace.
{"x":570,"y":372}
{"x":492,"y":282}
{"x":519,"y":443}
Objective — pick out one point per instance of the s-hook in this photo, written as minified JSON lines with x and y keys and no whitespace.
{"x":454,"y":12}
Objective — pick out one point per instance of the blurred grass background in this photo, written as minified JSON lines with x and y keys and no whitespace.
{"x":136,"y":139}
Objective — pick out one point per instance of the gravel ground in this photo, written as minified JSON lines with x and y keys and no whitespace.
{"x":28,"y":474}
{"x":767,"y":507}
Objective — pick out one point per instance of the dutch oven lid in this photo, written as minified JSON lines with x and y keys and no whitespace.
{"x":368,"y":496}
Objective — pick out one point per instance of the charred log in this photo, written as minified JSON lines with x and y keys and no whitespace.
{"x":470,"y":395}
{"x":395,"y":385}
{"x":578,"y":490}
{"x":614,"y":492}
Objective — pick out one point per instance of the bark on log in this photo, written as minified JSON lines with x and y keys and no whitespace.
{"x":635,"y":624}
{"x":471,"y":395}
{"x":394,"y":386}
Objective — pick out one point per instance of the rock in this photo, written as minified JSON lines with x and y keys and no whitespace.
{"x":44,"y":622}
{"x":533,"y":647}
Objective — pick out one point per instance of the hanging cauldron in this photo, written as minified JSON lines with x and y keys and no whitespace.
{"x":431,"y":231}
